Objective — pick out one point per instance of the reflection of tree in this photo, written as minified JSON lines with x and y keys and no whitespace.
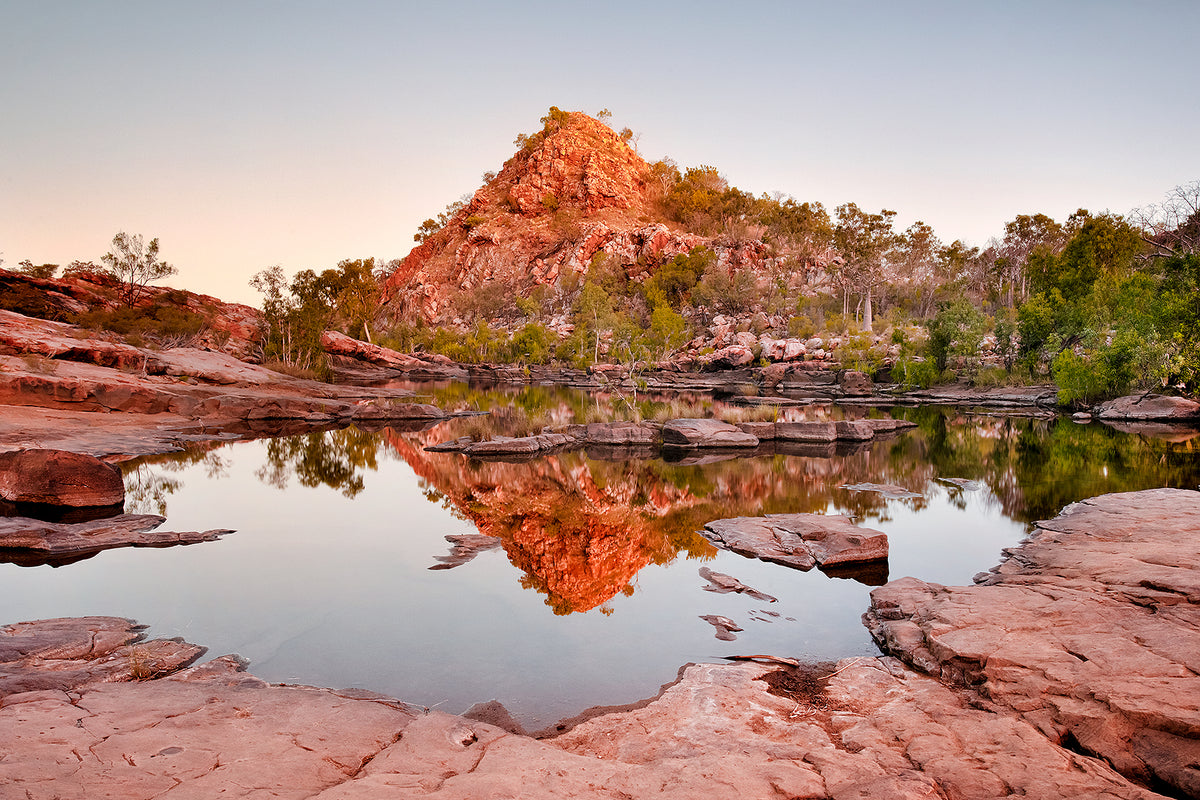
{"x":146,"y":489}
{"x":1063,"y":462}
{"x":332,"y":458}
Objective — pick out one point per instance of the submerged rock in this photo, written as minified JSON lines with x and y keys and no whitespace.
{"x":724,"y":625}
{"x":31,"y":542}
{"x":721,"y":583}
{"x":888,"y":490}
{"x":465,"y":546}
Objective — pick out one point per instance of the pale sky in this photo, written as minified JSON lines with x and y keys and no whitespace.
{"x":245,"y":134}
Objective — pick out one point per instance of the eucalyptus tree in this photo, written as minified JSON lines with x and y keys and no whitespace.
{"x":864,"y":241}
{"x":135,"y":264}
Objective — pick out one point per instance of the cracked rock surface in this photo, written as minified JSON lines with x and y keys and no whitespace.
{"x":866,"y":727}
{"x":1090,"y":631}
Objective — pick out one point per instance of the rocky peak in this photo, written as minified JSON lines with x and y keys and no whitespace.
{"x":573,"y":189}
{"x":576,"y":161}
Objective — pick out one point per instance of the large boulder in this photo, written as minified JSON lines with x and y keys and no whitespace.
{"x":59,"y":478}
{"x":1156,"y":407}
{"x":805,"y":431}
{"x":705,"y":433}
{"x":855,"y":383}
{"x":801,"y":541}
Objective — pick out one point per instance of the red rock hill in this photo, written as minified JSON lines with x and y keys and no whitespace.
{"x":573,"y":190}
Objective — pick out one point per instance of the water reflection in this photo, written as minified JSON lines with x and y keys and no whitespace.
{"x":581,"y":528}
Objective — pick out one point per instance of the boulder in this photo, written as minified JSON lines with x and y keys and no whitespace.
{"x":705,"y":433}
{"x":731,"y":357}
{"x":857,"y":430}
{"x":1154,"y":407}
{"x":521,"y":445}
{"x":806,"y":431}
{"x":855,"y":383}
{"x":763,"y":431}
{"x":616,"y":433}
{"x":801,"y":541}
{"x":59,"y":478}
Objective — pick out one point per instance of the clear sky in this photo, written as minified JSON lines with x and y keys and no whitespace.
{"x":249,"y":133}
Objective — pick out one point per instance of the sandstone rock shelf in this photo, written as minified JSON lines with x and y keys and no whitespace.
{"x":1090,"y":631}
{"x":87,"y":703}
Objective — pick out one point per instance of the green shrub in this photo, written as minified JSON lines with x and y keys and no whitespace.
{"x":801,"y":327}
{"x":913,"y":374}
{"x":1081,"y":381}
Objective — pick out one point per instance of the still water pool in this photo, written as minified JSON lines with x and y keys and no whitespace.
{"x":593,"y":597}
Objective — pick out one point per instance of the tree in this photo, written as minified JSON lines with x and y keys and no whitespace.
{"x":864,"y":241}
{"x":1172,"y":226}
{"x":1024,"y":236}
{"x":135,"y":264}
{"x":43,"y":271}
{"x":918,"y":260}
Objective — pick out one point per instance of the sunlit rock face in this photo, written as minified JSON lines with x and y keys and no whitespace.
{"x":580,"y":191}
{"x":230,"y":328}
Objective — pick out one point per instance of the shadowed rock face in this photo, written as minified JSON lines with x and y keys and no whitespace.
{"x":1090,"y":630}
{"x":59,"y":478}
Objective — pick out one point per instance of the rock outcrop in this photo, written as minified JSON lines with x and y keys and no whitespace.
{"x":800,"y":541}
{"x":58,"y":366}
{"x":1090,"y":631}
{"x":230,"y":328}
{"x":576,"y":190}
{"x":1149,"y":408}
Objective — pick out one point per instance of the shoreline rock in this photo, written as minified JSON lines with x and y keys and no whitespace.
{"x":1092,"y":632}
{"x":31,"y":542}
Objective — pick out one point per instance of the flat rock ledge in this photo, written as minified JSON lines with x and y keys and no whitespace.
{"x":800,"y":541}
{"x":32,"y":542}
{"x":1089,"y":631}
{"x":646,"y":438}
{"x":85,"y":707}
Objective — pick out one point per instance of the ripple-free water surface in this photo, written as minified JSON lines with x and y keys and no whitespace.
{"x":594,"y":597}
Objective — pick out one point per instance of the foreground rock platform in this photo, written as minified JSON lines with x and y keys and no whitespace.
{"x":1090,"y":631}
{"x":76,"y":721}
